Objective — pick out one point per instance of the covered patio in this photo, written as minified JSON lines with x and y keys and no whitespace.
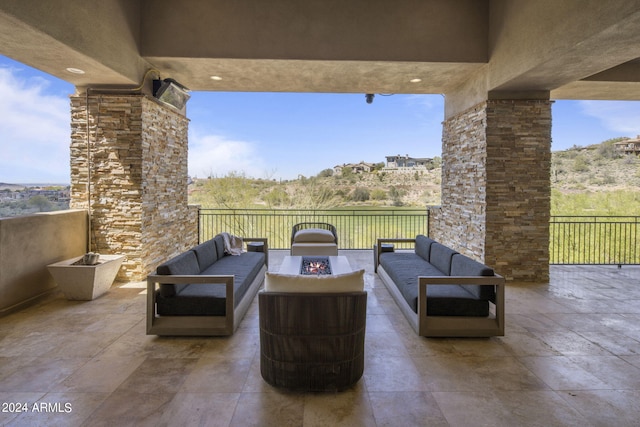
{"x":498,"y":63}
{"x":570,"y":356}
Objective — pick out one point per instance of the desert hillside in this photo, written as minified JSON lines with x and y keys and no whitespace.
{"x":322,"y":191}
{"x":594,"y":168}
{"x":588,"y":176}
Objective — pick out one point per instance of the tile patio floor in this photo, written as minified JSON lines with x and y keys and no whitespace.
{"x":570,"y":357}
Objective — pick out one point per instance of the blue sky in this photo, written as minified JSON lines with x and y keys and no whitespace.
{"x":269,"y":135}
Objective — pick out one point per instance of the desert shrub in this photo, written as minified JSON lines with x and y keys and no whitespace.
{"x":232,"y":191}
{"x":435,"y":163}
{"x":607,"y":179}
{"x":277,"y":197}
{"x":378,"y":194}
{"x":605,"y":152}
{"x":396,"y":196}
{"x":571,"y":153}
{"x":360,"y":194}
{"x":325,"y":173}
{"x":580,"y":164}
{"x":347,"y":173}
{"x":608,"y":150}
{"x":314,"y":196}
{"x":41,"y":203}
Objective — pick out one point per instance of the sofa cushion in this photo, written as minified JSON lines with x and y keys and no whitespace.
{"x":423,"y":246}
{"x":404,"y":268}
{"x":462,"y":265}
{"x":329,"y":249}
{"x":440,"y":257}
{"x":453,"y":300}
{"x":210,"y":299}
{"x":184,"y":264}
{"x":207,"y":299}
{"x":442,"y":300}
{"x":314,"y":235}
{"x":219,"y":241}
{"x":330,"y":283}
{"x":206,"y":253}
{"x":244,"y":268}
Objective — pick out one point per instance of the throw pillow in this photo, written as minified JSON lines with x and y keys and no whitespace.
{"x":314,"y":235}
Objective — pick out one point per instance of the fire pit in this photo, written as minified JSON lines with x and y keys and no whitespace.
{"x":315,"y":266}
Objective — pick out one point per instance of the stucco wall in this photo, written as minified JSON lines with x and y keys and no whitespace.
{"x":28,"y":244}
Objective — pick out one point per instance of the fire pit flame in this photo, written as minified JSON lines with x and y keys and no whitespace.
{"x":318,"y":266}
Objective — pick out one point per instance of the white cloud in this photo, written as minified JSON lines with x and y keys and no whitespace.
{"x":619,"y":116}
{"x":34,"y":131}
{"x":429,"y":103}
{"x":215,"y":155}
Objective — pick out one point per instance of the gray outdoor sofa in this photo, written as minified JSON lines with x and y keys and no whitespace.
{"x":205,"y":291}
{"x":441,"y":292}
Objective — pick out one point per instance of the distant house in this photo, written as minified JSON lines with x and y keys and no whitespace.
{"x":629,"y":146}
{"x":406,"y":163}
{"x":355,"y":167}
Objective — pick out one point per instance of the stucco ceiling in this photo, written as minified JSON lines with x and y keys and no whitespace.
{"x":467,"y":49}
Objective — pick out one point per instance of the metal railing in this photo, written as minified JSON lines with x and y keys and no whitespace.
{"x":357,"y":228}
{"x":601,"y":240}
{"x":574,"y":240}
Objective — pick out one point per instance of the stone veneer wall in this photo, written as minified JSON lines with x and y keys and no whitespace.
{"x":496,"y":187}
{"x":460,"y":221}
{"x":138,"y":179}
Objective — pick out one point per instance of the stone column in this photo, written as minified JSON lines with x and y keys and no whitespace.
{"x":137,"y":169}
{"x":496,"y":186}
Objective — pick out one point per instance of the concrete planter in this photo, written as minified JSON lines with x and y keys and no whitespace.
{"x":86,"y":282}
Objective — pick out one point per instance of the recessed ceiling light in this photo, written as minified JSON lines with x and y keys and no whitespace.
{"x":216,"y":78}
{"x":75,"y":70}
{"x":415,"y":80}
